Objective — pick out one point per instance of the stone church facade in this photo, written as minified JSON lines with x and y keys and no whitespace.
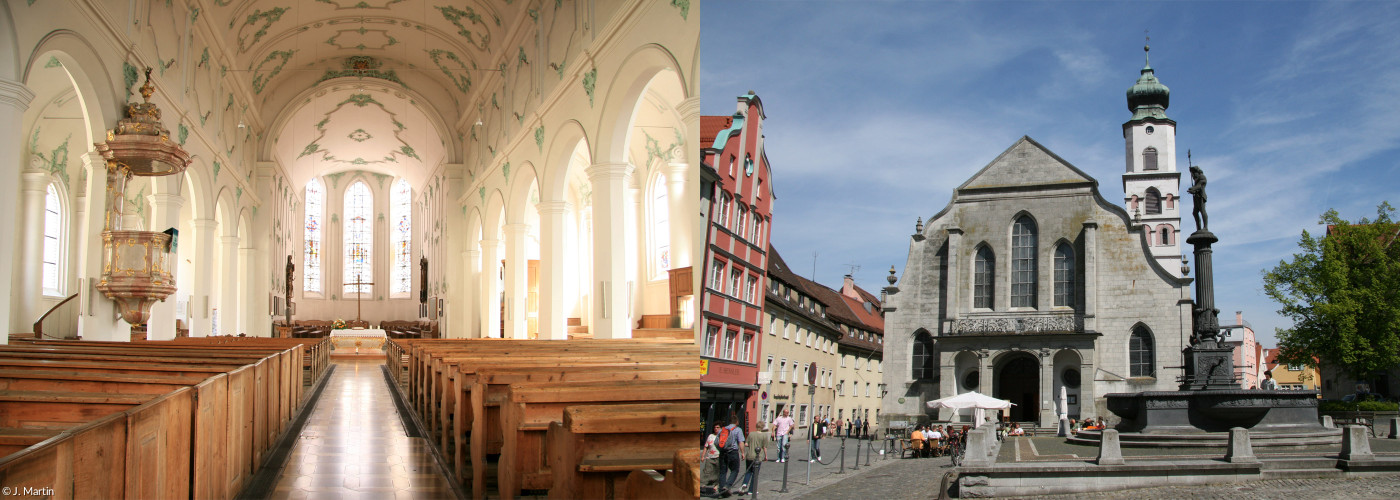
{"x":1027,"y":282}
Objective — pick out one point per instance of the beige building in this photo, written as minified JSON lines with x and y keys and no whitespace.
{"x":809,"y":323}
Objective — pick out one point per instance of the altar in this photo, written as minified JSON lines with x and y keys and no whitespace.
{"x":368,"y":342}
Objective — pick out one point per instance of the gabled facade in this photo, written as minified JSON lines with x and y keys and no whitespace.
{"x":736,"y":257}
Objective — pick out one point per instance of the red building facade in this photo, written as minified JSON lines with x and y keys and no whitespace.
{"x":735,"y":261}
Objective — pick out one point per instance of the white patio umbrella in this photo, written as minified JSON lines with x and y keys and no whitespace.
{"x":978,"y":402}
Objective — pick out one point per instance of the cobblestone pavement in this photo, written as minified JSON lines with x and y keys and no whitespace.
{"x":1385,"y":486}
{"x":828,"y":472}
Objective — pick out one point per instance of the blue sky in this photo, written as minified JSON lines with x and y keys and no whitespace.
{"x":877,"y":110}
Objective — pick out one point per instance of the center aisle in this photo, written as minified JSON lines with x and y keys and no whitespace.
{"x":354,"y":445}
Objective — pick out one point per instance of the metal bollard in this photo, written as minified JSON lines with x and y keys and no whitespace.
{"x":856,"y":466}
{"x":787,"y":452}
{"x":869,"y":448}
{"x":842,"y":454}
{"x":753,"y":485}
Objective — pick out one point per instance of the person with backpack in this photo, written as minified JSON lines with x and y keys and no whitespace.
{"x":731,"y":452}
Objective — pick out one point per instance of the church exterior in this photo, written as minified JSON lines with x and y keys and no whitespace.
{"x":1029,"y":282}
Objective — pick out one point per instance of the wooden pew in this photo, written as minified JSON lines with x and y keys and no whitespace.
{"x":681,"y":483}
{"x":596,"y":447}
{"x":532,"y":408}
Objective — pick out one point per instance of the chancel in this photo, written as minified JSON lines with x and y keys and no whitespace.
{"x":315,"y":157}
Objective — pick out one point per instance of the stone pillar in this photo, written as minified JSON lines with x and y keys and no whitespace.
{"x":955,"y":274}
{"x":473,"y":328}
{"x":947,"y":379}
{"x":29,"y":277}
{"x":609,"y":287}
{"x":1091,"y":277}
{"x":680,"y":203}
{"x":1088,"y":393}
{"x":1110,"y":453}
{"x":638,"y":262}
{"x":1356,"y":444}
{"x":14,"y":100}
{"x":552,"y":253}
{"x":516,"y":282}
{"x":96,"y":320}
{"x":201,"y":298}
{"x":1241,"y":451}
{"x":1048,"y":397}
{"x":165,"y":213}
{"x":490,"y":291}
{"x":985,"y":373}
{"x":229,"y":287}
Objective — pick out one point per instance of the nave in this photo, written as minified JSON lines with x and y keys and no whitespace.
{"x":354,"y":445}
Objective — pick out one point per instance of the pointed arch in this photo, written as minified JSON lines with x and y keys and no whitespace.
{"x":1141,"y":352}
{"x":983,"y":276}
{"x":1065,"y":277}
{"x":358,"y":222}
{"x":1024,"y":260}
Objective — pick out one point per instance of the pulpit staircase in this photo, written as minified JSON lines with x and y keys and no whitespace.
{"x":60,"y":322}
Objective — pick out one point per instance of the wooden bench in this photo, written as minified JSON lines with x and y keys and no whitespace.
{"x":596,"y":447}
{"x":682,"y":482}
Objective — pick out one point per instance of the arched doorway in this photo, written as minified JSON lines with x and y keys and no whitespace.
{"x":1018,"y":381}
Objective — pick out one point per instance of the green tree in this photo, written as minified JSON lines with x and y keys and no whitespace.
{"x":1343,"y":294}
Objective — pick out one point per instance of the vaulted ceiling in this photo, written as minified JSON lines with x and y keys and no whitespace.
{"x":368,"y":84}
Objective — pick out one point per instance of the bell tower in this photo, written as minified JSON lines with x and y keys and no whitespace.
{"x":1151,"y":183}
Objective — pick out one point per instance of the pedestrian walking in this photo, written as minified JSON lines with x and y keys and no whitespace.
{"x":782,"y":428}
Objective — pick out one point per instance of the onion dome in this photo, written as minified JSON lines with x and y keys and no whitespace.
{"x":1148,"y":97}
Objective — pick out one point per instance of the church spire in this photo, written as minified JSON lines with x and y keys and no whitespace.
{"x":1148,"y":98}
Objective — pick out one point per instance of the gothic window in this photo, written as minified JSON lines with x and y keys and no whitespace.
{"x":359,"y":238}
{"x":53,"y":235}
{"x":400,"y":212}
{"x":1064,"y":276}
{"x":1140,"y":353}
{"x":315,"y":214}
{"x":661,"y":229}
{"x":923,"y":356}
{"x":1149,"y":159}
{"x":983,"y":271}
{"x":1023,"y":265}
{"x":1153,"y":202}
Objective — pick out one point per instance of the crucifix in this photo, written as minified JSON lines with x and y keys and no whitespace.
{"x":358,"y":254}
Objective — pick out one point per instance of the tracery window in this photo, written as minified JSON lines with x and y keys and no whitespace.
{"x":1023,"y":265}
{"x":53,"y":236}
{"x":1153,"y":202}
{"x":359,"y":238}
{"x":1140,"y":353}
{"x":983,"y":271}
{"x":661,"y":228}
{"x":1064,"y":276}
{"x":315,"y":213}
{"x":400,"y":212}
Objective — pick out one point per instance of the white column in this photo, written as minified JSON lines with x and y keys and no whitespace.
{"x":609,"y":287}
{"x":248,"y":321}
{"x":28,"y":278}
{"x":165,"y":213}
{"x":552,"y":254}
{"x":638,"y":255}
{"x":516,"y":281}
{"x":228,"y":294}
{"x":473,"y":326}
{"x":682,"y":206}
{"x":97,"y":318}
{"x":202,"y":296}
{"x":490,"y":292}
{"x":14,"y":99}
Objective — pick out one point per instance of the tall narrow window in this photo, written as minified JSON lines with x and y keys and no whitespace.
{"x":661,"y":228}
{"x":315,"y":212}
{"x":726,"y":350}
{"x":717,"y":276}
{"x":1166,"y":235}
{"x":1153,"y":202}
{"x":359,"y":238}
{"x":53,"y":234}
{"x":722,"y":212}
{"x":1140,"y":353}
{"x":711,"y":339}
{"x":1149,"y":159}
{"x":400,"y":212}
{"x":982,"y":274}
{"x":923,"y":356}
{"x":1064,"y":276}
{"x":743,"y":222}
{"x":1023,"y":265}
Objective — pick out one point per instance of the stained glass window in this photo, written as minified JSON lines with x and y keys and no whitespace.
{"x":53,"y":231}
{"x":315,"y":212}
{"x":359,"y":239}
{"x":401,"y":214}
{"x":661,"y":228}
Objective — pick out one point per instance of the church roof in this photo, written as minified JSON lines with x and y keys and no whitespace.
{"x":1023,"y":164}
{"x":711,"y":126}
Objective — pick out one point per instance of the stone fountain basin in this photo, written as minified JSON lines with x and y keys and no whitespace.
{"x":1214,"y":410}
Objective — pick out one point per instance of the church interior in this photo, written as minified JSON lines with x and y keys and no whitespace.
{"x":204,"y":188}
